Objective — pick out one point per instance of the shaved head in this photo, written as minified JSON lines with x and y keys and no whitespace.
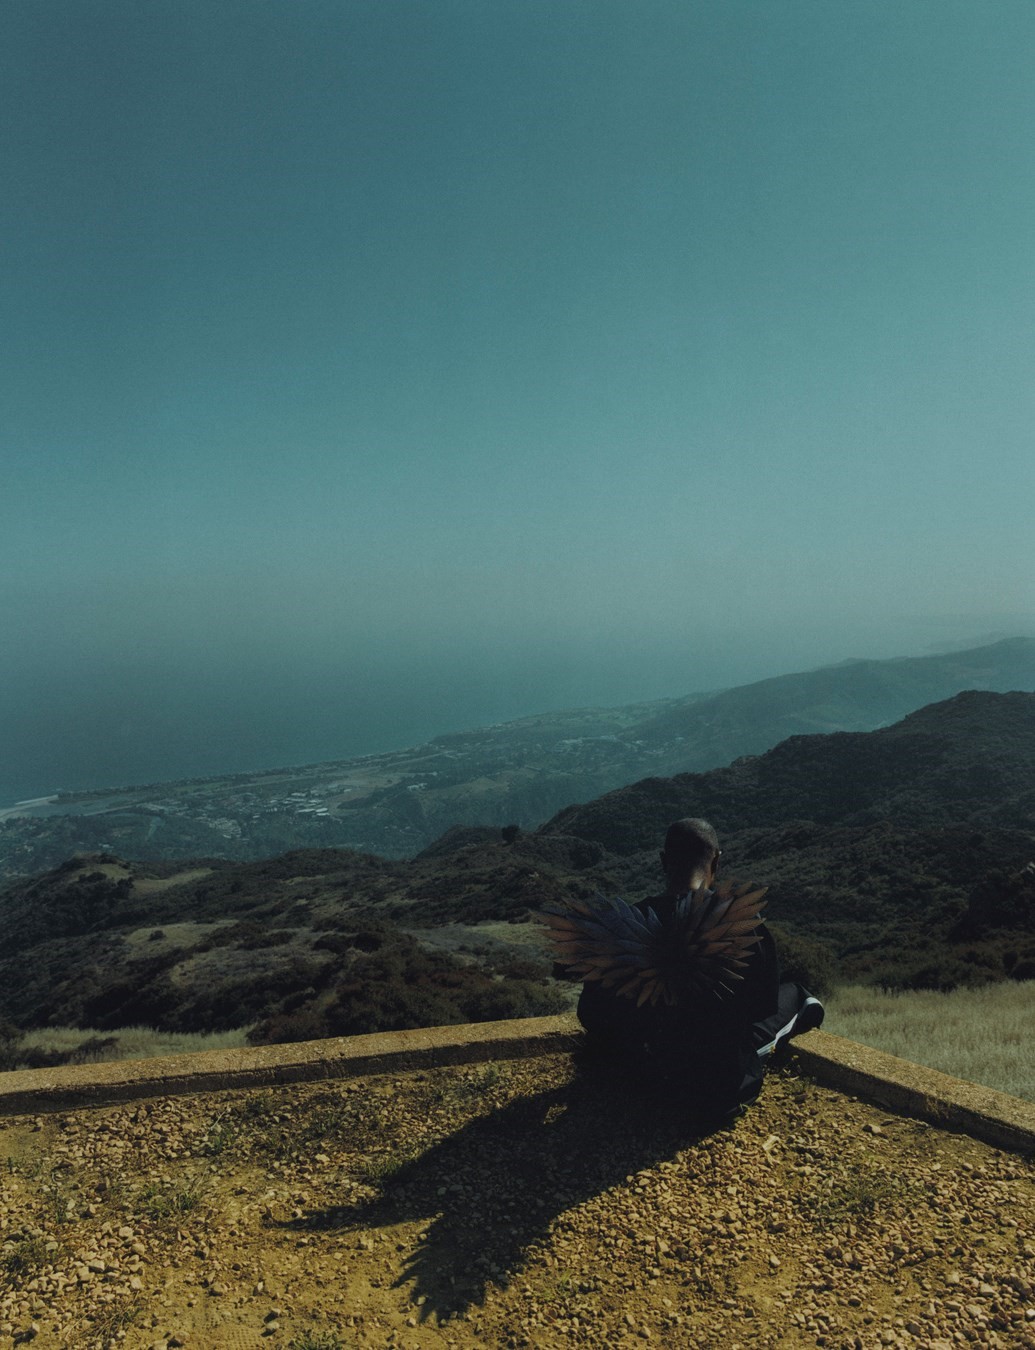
{"x":690,"y":854}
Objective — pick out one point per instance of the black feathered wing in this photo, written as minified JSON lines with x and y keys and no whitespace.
{"x":703,"y":946}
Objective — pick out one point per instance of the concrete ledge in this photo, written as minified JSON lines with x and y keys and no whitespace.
{"x":32,"y":1091}
{"x":912,"y":1090}
{"x":1007,"y":1122}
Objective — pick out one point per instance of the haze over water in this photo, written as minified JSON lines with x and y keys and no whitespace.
{"x":378,"y":370}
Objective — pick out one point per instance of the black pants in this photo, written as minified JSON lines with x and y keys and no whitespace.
{"x":711,"y":1069}
{"x":797,"y":1011}
{"x":731,"y":1078}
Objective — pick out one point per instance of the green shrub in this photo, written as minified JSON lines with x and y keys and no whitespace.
{"x":10,"y":1040}
{"x":1000,"y":900}
{"x":942,"y":973}
{"x":807,"y":960}
{"x":387,"y":982}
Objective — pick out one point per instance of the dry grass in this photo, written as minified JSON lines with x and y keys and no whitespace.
{"x":156,"y":938}
{"x":983,"y":1035}
{"x":151,"y":885}
{"x":131,"y":1042}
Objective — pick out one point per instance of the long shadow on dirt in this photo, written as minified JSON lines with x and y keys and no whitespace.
{"x":493,"y":1189}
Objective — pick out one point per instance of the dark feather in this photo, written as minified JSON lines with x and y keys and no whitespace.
{"x":701,"y":948}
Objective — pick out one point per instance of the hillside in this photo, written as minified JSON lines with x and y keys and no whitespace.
{"x":904,"y":851}
{"x":850,"y":696}
{"x":886,"y":844}
{"x":968,"y":758}
{"x":518,"y":773}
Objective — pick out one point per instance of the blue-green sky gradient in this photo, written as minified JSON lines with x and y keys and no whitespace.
{"x":376,"y":369}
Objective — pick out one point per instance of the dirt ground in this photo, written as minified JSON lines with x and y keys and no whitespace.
{"x":516,"y":1204}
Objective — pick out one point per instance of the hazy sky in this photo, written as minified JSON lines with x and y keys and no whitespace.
{"x":377,"y":369}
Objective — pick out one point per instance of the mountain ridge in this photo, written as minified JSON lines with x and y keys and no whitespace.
{"x":858,"y":690}
{"x":519,"y":772}
{"x":817,"y":788}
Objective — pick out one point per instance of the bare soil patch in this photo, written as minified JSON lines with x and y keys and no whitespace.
{"x":515,"y":1205}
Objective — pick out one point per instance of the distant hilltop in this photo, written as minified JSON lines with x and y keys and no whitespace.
{"x":519,"y":772}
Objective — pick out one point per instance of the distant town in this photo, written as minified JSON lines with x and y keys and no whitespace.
{"x":392,"y":804}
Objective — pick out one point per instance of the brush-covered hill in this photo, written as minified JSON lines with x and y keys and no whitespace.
{"x":518,"y":772}
{"x":313,"y":942}
{"x":901,"y":854}
{"x":890,"y":845}
{"x":967,"y":758}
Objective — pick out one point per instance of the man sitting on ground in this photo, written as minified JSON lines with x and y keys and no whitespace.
{"x":705,"y":1039}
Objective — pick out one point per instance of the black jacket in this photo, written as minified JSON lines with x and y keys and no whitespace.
{"x":706,"y":1043}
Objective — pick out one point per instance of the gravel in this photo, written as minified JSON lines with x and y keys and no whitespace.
{"x":511,"y":1205}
